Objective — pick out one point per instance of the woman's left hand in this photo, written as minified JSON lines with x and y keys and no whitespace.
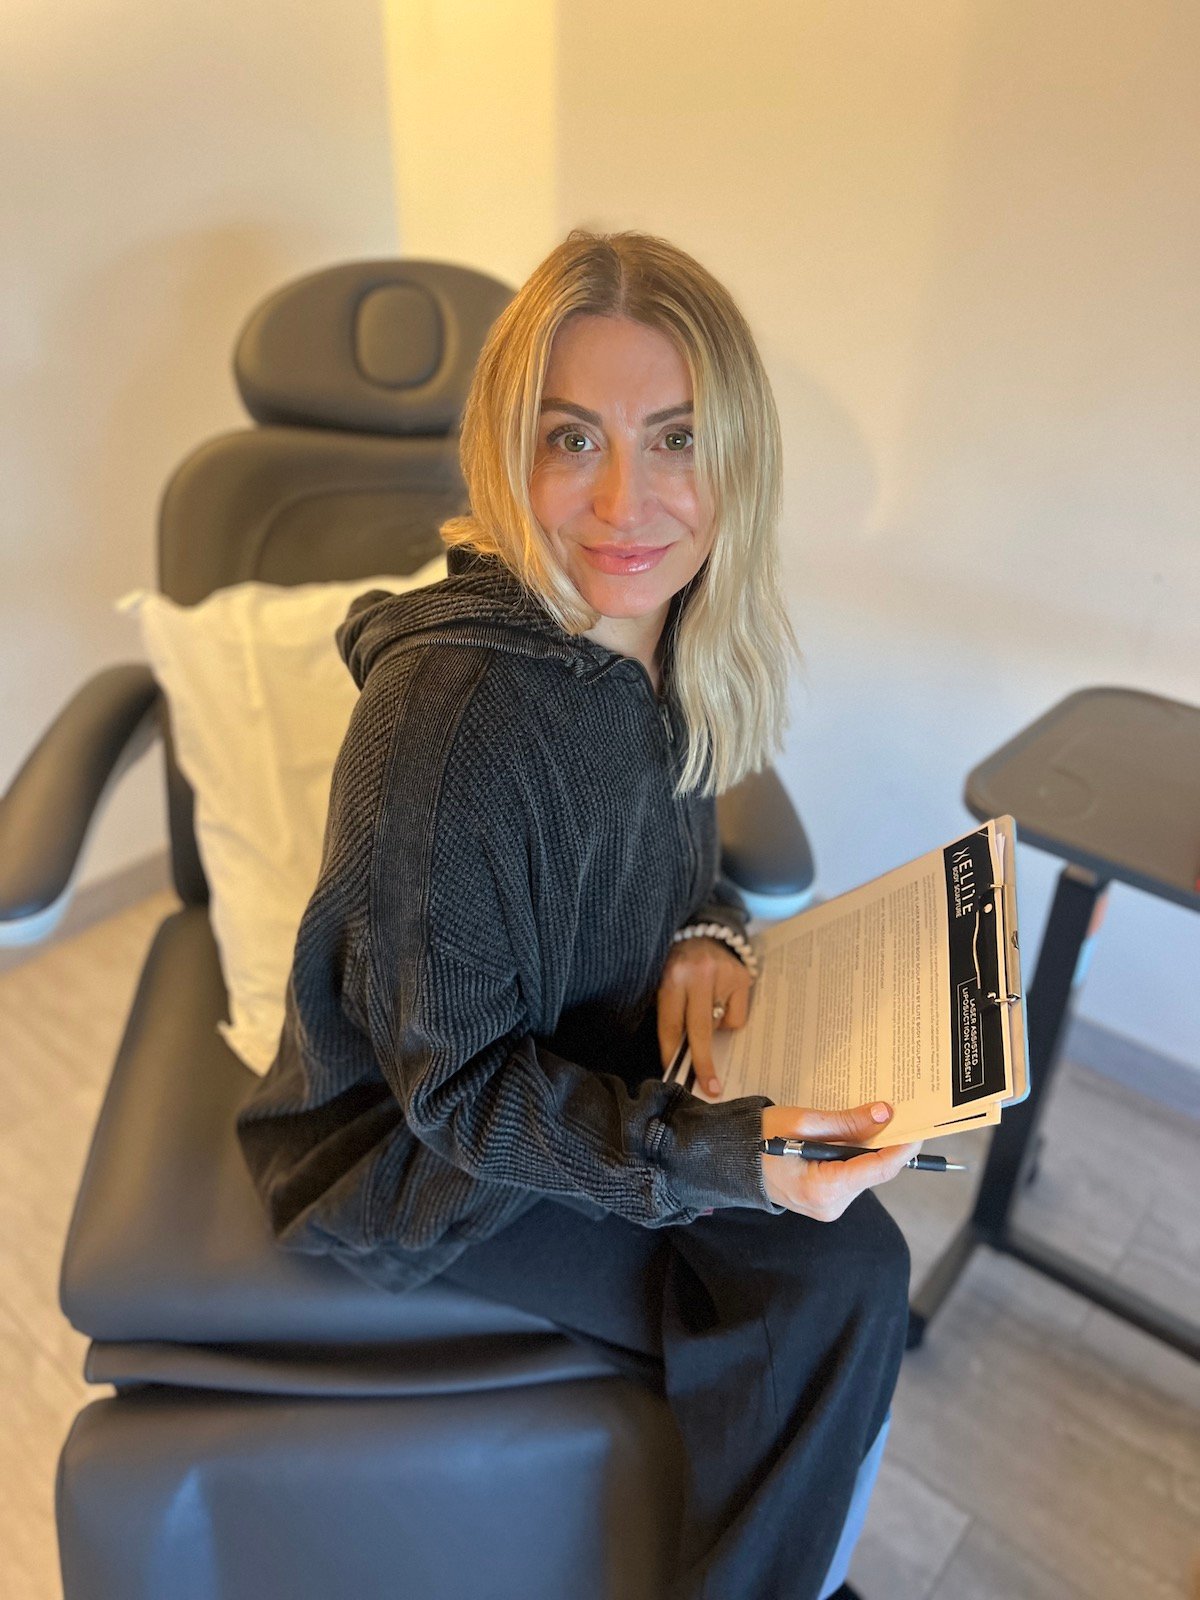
{"x":699,"y":975}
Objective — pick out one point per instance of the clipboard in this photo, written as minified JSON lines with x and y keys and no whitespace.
{"x":977,"y":875}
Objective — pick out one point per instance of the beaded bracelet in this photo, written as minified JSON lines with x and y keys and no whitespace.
{"x":737,"y":942}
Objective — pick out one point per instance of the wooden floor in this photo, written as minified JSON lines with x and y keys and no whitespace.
{"x":1040,"y":1449}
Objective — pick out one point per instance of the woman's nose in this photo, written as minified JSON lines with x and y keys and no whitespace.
{"x":621,"y":492}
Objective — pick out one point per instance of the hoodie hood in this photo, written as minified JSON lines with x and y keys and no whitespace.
{"x":480,"y":602}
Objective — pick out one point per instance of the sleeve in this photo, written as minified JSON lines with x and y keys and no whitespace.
{"x":723,"y":902}
{"x":449,"y":1025}
{"x":724,"y":905}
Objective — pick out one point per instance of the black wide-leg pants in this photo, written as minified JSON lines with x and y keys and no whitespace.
{"x":776,"y":1341}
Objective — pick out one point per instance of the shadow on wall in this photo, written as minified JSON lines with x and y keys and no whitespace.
{"x":131,"y":374}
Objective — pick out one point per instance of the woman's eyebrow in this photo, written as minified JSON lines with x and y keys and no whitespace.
{"x":553,"y":403}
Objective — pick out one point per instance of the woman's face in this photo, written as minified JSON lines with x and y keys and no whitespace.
{"x":614,"y":482}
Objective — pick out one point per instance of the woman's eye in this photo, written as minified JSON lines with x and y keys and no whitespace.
{"x":568,"y":433}
{"x":679,"y":433}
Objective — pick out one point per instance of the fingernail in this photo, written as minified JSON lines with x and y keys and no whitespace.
{"x":713,"y":1086}
{"x":881,"y":1112}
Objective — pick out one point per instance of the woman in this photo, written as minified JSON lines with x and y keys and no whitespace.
{"x":519,"y":914}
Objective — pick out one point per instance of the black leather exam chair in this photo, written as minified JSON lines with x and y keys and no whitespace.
{"x":278,"y":1428}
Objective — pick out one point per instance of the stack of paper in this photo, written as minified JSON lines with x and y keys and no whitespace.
{"x":907,"y":989}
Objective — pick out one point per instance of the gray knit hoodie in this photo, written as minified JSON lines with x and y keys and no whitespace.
{"x":470,"y":1021}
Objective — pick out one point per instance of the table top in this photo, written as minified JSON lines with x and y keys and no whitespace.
{"x":1109,"y":779}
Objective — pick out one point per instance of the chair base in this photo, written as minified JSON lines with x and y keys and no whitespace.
{"x":169,"y":1492}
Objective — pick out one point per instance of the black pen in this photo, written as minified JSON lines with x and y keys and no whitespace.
{"x":814,"y":1150}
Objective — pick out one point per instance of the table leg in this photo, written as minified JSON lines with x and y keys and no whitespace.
{"x":1075,"y":916}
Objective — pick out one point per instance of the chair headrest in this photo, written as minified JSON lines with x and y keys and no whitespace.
{"x":368,"y":346}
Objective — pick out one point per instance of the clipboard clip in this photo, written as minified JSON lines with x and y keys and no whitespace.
{"x":992,"y":1001}
{"x":989,"y":998}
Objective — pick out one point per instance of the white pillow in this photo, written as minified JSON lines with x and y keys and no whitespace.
{"x":260,"y":701}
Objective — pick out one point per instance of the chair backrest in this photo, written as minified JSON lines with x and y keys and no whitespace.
{"x":356,"y":376}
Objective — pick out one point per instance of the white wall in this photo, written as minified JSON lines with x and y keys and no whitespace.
{"x":165,"y":168}
{"x":473,"y":130}
{"x":966,"y":236}
{"x":964,"y":233}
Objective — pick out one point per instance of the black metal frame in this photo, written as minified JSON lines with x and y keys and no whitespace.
{"x":1075,"y":916}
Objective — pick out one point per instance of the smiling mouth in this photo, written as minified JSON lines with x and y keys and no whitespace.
{"x":627,"y":551}
{"x":622,"y":561}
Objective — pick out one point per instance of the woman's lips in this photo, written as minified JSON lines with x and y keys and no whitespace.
{"x":629,"y":558}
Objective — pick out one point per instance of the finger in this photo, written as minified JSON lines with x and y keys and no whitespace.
{"x":903,"y":1154}
{"x":824,"y":1189}
{"x":700,"y":1002}
{"x":671,"y":1000}
{"x":737,"y":1010}
{"x":832,"y":1185}
{"x":819,"y":1189}
{"x":851,"y":1125}
{"x":877,"y":1166}
{"x":880,"y":1166}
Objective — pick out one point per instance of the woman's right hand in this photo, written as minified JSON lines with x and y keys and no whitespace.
{"x":823,"y":1189}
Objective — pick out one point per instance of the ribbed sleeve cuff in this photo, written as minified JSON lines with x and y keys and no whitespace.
{"x":721,"y":911}
{"x":709,"y":1153}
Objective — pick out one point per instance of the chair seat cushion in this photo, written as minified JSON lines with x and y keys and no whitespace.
{"x":534,"y":1495}
{"x":168,"y":1243}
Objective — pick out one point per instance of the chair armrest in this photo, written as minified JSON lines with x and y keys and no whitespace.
{"x":50,"y":805}
{"x":764,"y":848}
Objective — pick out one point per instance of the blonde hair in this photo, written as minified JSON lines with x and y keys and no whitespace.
{"x":732,"y":640}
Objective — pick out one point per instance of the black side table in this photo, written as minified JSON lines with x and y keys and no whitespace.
{"x":1108,"y":780}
